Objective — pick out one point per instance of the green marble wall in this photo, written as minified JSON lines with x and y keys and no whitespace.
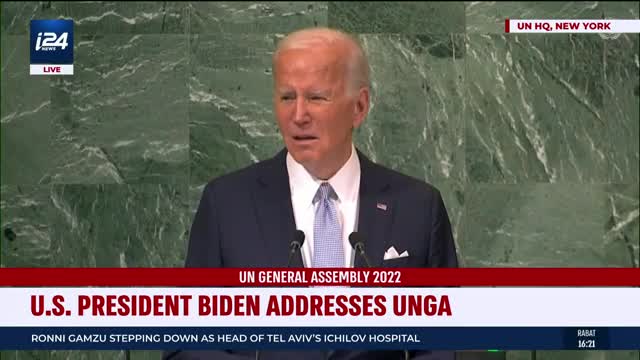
{"x":533,"y":139}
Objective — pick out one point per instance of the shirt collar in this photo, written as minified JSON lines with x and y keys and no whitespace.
{"x":345,"y":182}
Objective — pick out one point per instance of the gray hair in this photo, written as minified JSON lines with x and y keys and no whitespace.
{"x":357,"y":63}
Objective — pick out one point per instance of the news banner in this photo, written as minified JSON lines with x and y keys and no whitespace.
{"x":438,"y":309}
{"x":412,"y":309}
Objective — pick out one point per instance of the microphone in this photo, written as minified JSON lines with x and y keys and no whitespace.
{"x":295,"y":244}
{"x":357,"y":243}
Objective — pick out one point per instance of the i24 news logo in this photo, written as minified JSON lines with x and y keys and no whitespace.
{"x":51,"y":41}
{"x":51,"y":44}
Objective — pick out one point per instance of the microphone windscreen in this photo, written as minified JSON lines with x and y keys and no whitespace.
{"x":298,"y":237}
{"x":355,"y":238}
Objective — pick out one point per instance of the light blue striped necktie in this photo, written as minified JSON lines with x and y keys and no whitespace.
{"x":327,"y":232}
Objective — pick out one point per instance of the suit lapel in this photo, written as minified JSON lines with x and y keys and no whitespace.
{"x":274,"y":211}
{"x":375,"y":213}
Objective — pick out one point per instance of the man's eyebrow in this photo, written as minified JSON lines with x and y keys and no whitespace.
{"x":320,"y":91}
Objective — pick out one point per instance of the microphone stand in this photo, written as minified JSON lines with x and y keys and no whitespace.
{"x":294,"y":246}
{"x":360,"y":249}
{"x":358,"y":246}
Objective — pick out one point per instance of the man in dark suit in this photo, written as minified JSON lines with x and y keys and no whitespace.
{"x":320,"y":184}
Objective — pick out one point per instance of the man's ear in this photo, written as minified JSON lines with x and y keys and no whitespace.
{"x":361,"y":108}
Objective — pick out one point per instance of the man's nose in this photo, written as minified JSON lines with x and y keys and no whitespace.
{"x":301,"y":114}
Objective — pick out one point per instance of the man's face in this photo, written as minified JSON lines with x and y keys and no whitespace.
{"x":314,"y":110}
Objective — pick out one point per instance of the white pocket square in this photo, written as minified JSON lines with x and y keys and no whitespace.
{"x":392,"y":253}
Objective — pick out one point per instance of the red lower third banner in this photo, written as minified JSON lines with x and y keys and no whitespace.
{"x":255,"y":277}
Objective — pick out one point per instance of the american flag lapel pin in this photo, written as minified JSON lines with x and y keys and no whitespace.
{"x":381,"y":206}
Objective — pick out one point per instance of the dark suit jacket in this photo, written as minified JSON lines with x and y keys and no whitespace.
{"x":245,"y":219}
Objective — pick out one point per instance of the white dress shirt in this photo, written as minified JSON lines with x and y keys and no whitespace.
{"x":346,"y":184}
